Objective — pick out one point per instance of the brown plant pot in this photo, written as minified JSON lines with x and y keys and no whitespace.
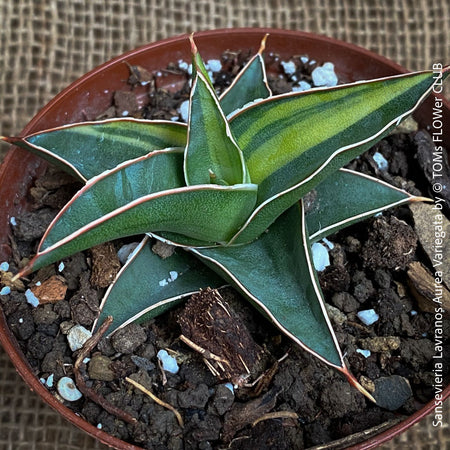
{"x":92,"y":94}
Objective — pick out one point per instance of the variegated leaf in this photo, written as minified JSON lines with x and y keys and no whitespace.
{"x":347,"y":197}
{"x":292,"y":142}
{"x":87,"y":149}
{"x":154,"y":283}
{"x":211,"y":154}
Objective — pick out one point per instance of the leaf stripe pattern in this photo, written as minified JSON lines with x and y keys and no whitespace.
{"x":99,"y":146}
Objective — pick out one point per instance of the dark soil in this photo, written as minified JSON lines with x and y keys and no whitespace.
{"x":299,"y":402}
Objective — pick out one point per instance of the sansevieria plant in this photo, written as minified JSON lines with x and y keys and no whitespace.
{"x":226,"y":189}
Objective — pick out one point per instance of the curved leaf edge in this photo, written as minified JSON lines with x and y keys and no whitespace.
{"x":410,"y":198}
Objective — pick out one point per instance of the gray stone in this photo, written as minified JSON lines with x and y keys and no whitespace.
{"x":392,"y":392}
{"x":128,"y":339}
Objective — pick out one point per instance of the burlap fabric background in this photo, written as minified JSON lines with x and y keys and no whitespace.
{"x":44,"y":45}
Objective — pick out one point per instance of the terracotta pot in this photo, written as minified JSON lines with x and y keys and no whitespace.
{"x":92,"y":94}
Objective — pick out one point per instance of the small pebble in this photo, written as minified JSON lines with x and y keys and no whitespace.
{"x":324,"y":75}
{"x":184,"y":111}
{"x":126,"y":340}
{"x":31,"y":298}
{"x":126,"y":251}
{"x":77,"y":336}
{"x":304,"y":59}
{"x":49,"y":381}
{"x":321,"y":259}
{"x":329,"y":244}
{"x":173,"y":275}
{"x":302,"y":86}
{"x":66,"y":326}
{"x":6,"y":290}
{"x":183,"y":65}
{"x":365,"y":353}
{"x":380,"y":160}
{"x":230,"y":387}
{"x":68,"y":390}
{"x":288,"y":67}
{"x":169,"y":363}
{"x":214,"y":64}
{"x":335,"y":314}
{"x":368,"y":316}
{"x":4,"y":266}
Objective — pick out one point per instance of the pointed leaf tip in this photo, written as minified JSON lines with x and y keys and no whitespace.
{"x":356,"y":384}
{"x":262,"y":46}
{"x":194,"y":49}
{"x":9,"y":139}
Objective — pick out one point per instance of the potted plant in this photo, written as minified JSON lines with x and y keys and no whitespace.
{"x":216,"y":186}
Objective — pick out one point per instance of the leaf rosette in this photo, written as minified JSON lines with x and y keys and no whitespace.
{"x":226,"y":189}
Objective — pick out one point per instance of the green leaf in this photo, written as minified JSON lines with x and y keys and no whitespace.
{"x":87,"y":149}
{"x":347,"y":197}
{"x":276,"y":274}
{"x":249,"y":85}
{"x":135,"y":199}
{"x":155,"y":285}
{"x":292,"y":142}
{"x":211,"y":154}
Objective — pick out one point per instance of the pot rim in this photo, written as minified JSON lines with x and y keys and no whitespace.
{"x":8,"y":340}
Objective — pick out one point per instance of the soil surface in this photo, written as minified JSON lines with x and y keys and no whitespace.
{"x":288,"y":400}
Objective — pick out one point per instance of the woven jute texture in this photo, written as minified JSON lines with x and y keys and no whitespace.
{"x":44,"y":45}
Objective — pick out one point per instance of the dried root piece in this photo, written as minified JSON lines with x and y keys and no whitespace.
{"x":157,"y":400}
{"x":81,"y":384}
{"x":276,"y":415}
{"x":210,"y":327}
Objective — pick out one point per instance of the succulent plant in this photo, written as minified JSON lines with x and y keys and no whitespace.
{"x":227,"y":191}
